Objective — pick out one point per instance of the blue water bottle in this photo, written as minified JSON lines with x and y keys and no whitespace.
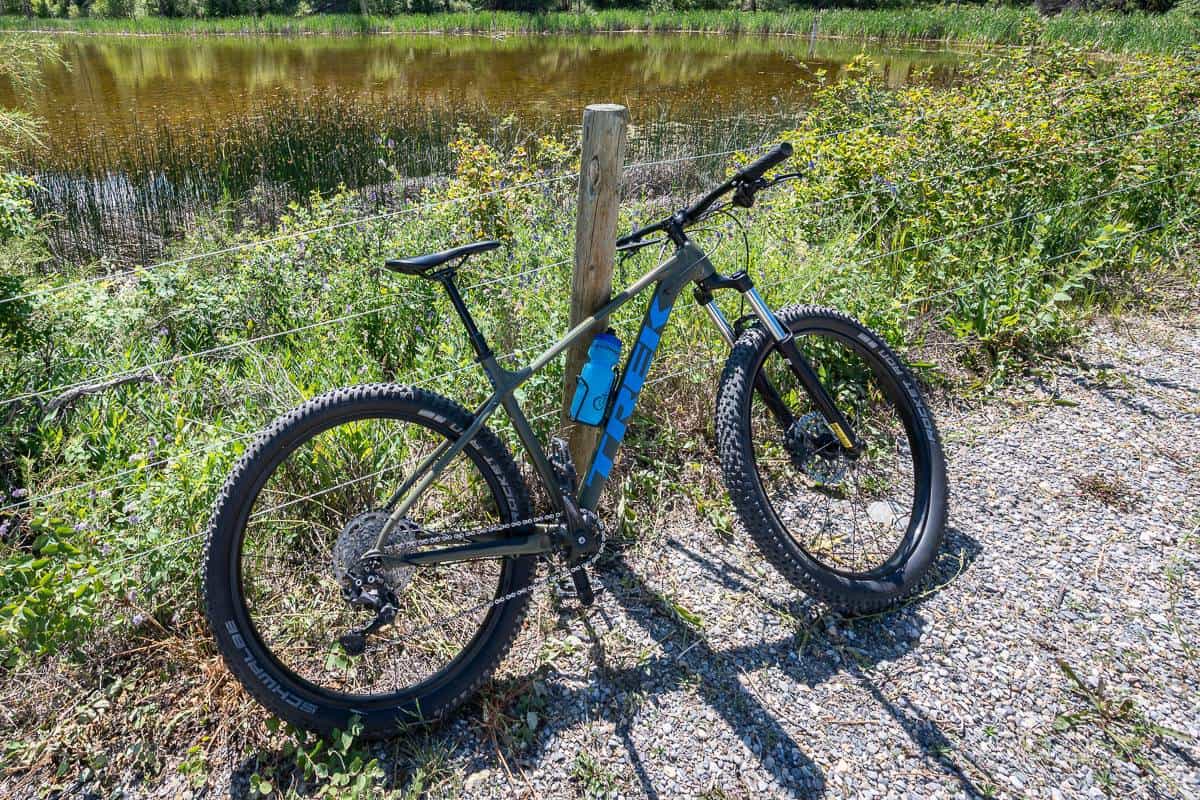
{"x":596,"y":379}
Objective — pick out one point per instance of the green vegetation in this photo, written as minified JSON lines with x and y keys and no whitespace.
{"x":18,"y":57}
{"x":973,"y":225}
{"x":170,"y":177}
{"x":1114,"y":32}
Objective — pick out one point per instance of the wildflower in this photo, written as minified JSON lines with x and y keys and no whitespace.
{"x":4,"y":526}
{"x":139,"y":619}
{"x":134,"y":519}
{"x":80,"y":527}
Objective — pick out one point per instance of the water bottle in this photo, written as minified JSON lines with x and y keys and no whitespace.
{"x":596,"y":379}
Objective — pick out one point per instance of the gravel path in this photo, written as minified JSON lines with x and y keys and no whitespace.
{"x":1055,"y":653}
{"x":1058,"y":645}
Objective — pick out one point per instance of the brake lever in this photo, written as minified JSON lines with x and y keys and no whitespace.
{"x":743,"y":195}
{"x":788,"y":176}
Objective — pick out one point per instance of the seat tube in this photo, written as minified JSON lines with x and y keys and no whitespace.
{"x":478,"y":343}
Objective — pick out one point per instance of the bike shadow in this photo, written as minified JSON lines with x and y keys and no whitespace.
{"x":822,"y":646}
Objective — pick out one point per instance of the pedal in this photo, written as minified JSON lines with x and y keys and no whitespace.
{"x":354,"y":643}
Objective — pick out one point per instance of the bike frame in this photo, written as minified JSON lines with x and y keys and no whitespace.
{"x":687,"y":264}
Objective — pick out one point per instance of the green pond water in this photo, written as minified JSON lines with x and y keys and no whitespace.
{"x":115,"y":87}
{"x":142,"y":134}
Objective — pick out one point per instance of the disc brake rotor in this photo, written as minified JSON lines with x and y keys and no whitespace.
{"x":358,"y":537}
{"x":815,"y":450}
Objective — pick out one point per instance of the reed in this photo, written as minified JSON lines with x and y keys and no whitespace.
{"x":1134,"y":32}
{"x":126,"y":199}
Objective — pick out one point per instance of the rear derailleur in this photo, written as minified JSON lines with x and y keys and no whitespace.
{"x":363,"y":587}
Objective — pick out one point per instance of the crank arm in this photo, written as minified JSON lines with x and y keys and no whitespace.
{"x":833,"y":417}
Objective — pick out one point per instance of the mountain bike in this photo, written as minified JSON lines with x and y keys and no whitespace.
{"x":373,"y":553}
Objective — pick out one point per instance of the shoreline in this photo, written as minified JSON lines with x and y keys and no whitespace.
{"x":934,"y":26}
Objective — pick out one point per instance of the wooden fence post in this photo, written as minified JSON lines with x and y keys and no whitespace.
{"x":604,"y":129}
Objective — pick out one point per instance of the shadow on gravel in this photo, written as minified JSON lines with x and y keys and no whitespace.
{"x":822,"y":646}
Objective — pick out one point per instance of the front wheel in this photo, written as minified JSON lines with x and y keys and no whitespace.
{"x":856,"y":532}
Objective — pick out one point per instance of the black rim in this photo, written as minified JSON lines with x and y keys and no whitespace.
{"x":455,"y":666}
{"x":900,"y":404}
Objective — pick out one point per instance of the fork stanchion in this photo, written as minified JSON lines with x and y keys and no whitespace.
{"x":600,"y":169}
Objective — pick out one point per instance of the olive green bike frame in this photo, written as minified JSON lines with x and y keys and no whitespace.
{"x":687,"y":264}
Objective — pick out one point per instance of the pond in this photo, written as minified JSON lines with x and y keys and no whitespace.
{"x":154,"y":129}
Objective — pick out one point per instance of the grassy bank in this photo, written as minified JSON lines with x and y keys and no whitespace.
{"x":963,"y":24}
{"x":126,"y":201}
{"x":974,"y":226}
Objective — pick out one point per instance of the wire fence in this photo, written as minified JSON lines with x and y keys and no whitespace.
{"x":892,"y":187}
{"x":888,"y":187}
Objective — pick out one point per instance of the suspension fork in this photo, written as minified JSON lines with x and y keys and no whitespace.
{"x":785,"y":340}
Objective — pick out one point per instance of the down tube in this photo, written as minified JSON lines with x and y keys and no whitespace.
{"x":632,"y":380}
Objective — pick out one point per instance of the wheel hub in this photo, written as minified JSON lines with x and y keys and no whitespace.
{"x":815,"y":450}
{"x":358,"y":537}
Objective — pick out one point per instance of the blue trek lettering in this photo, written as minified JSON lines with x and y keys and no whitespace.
{"x":631,"y":387}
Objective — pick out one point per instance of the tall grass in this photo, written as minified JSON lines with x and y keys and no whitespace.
{"x":1135,"y":32}
{"x":124,"y":200}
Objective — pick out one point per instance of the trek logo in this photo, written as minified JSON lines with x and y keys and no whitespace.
{"x":631,"y":387}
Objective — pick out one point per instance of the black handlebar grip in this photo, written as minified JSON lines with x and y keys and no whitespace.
{"x":777,"y":155}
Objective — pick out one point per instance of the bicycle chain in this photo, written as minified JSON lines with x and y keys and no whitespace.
{"x":538,"y":584}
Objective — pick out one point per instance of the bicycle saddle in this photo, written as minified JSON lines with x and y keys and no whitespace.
{"x":419,"y":265}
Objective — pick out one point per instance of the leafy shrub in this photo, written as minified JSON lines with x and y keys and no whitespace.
{"x":946,"y":181}
{"x":16,"y":209}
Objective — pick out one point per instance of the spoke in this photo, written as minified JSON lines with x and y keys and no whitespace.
{"x":848,"y":533}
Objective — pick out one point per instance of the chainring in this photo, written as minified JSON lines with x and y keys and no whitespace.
{"x":358,"y":537}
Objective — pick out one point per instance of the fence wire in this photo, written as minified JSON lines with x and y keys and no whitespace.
{"x":690,"y":367}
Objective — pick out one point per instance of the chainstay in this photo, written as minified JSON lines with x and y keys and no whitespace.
{"x":532,"y":587}
{"x":463,"y":536}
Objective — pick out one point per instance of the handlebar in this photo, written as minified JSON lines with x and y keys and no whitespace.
{"x":755,"y":169}
{"x":743,"y":179}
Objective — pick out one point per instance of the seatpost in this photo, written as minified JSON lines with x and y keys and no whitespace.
{"x":446,"y":279}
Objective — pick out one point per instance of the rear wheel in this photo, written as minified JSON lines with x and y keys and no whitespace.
{"x":304,"y":504}
{"x":857,"y":533}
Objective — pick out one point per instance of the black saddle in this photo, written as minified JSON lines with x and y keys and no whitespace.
{"x":419,"y":265}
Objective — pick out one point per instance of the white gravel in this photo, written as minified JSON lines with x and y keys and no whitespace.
{"x":1074,"y":515}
